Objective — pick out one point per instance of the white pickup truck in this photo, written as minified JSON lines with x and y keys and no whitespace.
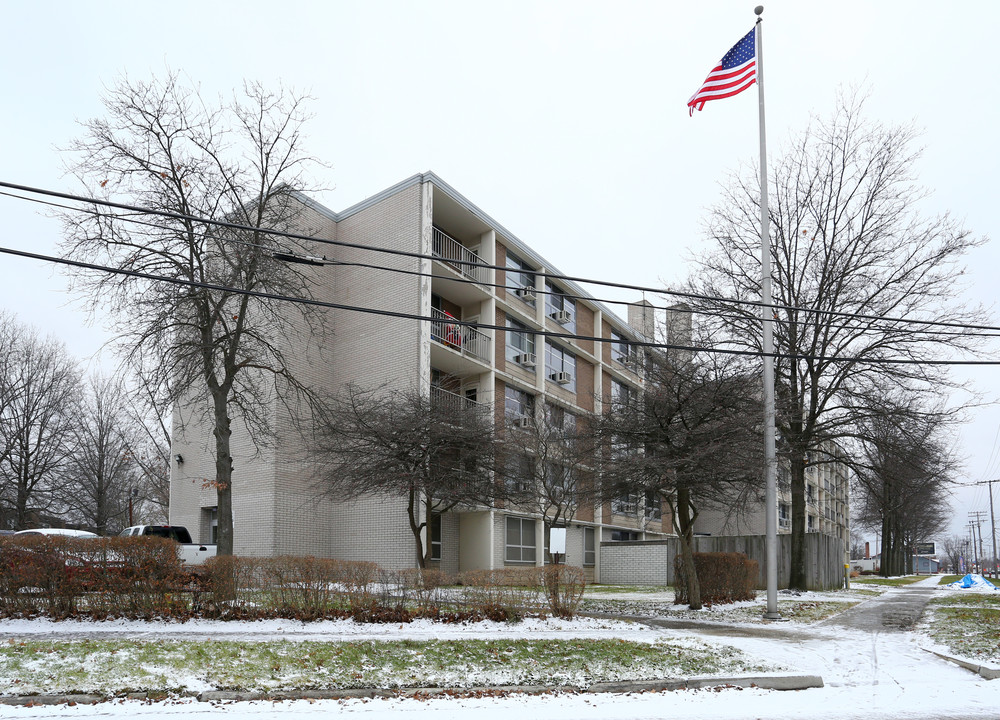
{"x":190,"y":553}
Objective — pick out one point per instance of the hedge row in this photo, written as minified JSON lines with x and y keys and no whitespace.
{"x":142,"y":578}
{"x":723,"y":578}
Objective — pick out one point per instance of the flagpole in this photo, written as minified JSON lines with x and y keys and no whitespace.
{"x":771,"y":495}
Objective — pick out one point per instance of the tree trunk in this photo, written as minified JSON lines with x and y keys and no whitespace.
{"x":797,"y":575}
{"x":223,"y":471}
{"x":416,"y":527}
{"x":685,"y":528}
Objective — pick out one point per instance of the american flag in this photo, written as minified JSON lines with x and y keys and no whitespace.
{"x":735,"y":73}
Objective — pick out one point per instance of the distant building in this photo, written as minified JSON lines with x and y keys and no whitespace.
{"x":827,"y":502}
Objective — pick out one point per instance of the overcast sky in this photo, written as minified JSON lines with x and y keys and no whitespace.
{"x":564,"y":121}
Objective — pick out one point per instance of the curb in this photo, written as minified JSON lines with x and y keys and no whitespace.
{"x":765,"y":682}
{"x":984,"y":671}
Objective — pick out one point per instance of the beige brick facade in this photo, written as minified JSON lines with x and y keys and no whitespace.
{"x":278,"y":508}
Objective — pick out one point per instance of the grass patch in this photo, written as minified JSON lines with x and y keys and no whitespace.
{"x":627,"y":589}
{"x":947,"y":579}
{"x":802,"y":610}
{"x":115,"y":667}
{"x":890,"y":582}
{"x":967,"y":624}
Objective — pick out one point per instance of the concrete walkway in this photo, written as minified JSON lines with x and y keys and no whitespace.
{"x":895,"y":611}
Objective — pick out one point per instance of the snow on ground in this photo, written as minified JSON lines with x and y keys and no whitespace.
{"x":868,"y":675}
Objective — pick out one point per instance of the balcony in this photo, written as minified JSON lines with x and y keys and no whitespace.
{"x":449,"y":250}
{"x":463,"y":339}
{"x":447,"y":400}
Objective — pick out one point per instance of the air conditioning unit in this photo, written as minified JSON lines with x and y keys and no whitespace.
{"x":561,"y":316}
{"x":525,"y":360}
{"x":562,"y":377}
{"x":526,"y":294}
{"x":522,"y":422}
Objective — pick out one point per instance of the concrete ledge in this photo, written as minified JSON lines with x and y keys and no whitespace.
{"x":765,"y":682}
{"x":58,"y":699}
{"x":984,"y":671}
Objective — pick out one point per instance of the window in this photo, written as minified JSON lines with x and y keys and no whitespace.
{"x":810,"y":493}
{"x":519,"y":543}
{"x":560,"y":366}
{"x":654,"y":509}
{"x":624,"y":535}
{"x":520,"y":279}
{"x":518,"y":404}
{"x":625,"y":504}
{"x":519,"y":472}
{"x":810,"y":523}
{"x":435,"y":533}
{"x":784,"y":518}
{"x":621,"y":395}
{"x":558,"y":479}
{"x":560,"y":419}
{"x":589,"y":547}
{"x":520,"y":341}
{"x":621,"y":350}
{"x":560,"y":308}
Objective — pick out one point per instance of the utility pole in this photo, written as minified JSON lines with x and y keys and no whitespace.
{"x":972,"y":533}
{"x":993,"y":525}
{"x":977,"y":517}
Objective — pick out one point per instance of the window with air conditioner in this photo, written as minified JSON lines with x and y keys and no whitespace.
{"x":520,"y":278}
{"x":518,"y":405}
{"x":560,"y":366}
{"x":784,"y":516}
{"x":560,"y":307}
{"x":621,"y":350}
{"x":520,"y":345}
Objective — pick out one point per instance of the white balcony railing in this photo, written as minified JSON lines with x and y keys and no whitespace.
{"x":462,"y":338}
{"x":447,"y":400}
{"x":448,"y":248}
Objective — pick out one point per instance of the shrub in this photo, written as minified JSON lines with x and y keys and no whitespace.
{"x":564,"y":585}
{"x":723,"y":578}
{"x":504,"y":594}
{"x":61,"y":576}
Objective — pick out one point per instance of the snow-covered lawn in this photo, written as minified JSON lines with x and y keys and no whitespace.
{"x":867,"y":675}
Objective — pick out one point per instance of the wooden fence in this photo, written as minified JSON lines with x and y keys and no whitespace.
{"x":651,"y":562}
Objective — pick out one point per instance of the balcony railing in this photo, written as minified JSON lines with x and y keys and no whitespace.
{"x":447,"y":400}
{"x":448,"y":248}
{"x":462,"y":338}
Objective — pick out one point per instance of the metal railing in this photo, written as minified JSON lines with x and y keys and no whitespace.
{"x":463,"y":338}
{"x":448,"y":248}
{"x":447,"y":400}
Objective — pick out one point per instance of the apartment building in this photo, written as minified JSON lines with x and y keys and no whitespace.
{"x":827,"y":501}
{"x":505,"y":365}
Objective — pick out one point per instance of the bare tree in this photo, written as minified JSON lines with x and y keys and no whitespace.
{"x":685,"y":440}
{"x":37,"y":422}
{"x":902,"y":475}
{"x":435,"y":451}
{"x":849,"y":252}
{"x":163,"y":147}
{"x":548,"y":464}
{"x":149,"y":407}
{"x":101,"y":473}
{"x":954,"y":550}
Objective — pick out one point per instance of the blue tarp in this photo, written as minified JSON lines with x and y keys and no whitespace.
{"x":972,"y":581}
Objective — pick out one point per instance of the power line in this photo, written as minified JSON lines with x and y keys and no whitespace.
{"x":468,"y":323}
{"x":416,"y":255}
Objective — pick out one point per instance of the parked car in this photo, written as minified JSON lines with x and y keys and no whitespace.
{"x":190,"y":553}
{"x":57,"y":532}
